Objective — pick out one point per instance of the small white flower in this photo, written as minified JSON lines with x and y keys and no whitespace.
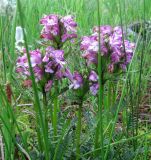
{"x":19,"y":34}
{"x":19,"y":37}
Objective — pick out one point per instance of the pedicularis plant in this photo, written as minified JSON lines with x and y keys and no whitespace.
{"x":50,"y":66}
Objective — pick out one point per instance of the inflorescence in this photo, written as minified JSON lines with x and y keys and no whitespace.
{"x":49,"y":64}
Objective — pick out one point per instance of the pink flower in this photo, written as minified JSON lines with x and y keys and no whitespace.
{"x":104,"y":30}
{"x":117,"y":30}
{"x":38,"y":73}
{"x":115,"y":57}
{"x":123,"y":66}
{"x":76,"y":81}
{"x":48,"y":86}
{"x":93,"y":76}
{"x":69,"y":23}
{"x":58,"y":57}
{"x":46,"y":57}
{"x":35,"y":57}
{"x":23,"y":71}
{"x":111,"y":68}
{"x":51,"y":67}
{"x":51,"y":64}
{"x":68,"y":74}
{"x":66,"y":36}
{"x":59,"y":74}
{"x":22,"y":66}
{"x":54,"y":60}
{"x":55,"y":27}
{"x":49,"y":20}
{"x":89,"y":43}
{"x":112,"y":47}
{"x":51,"y":26}
{"x":90,"y":57}
{"x":94,"y":88}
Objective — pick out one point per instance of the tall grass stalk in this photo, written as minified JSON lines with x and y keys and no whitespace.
{"x":3,"y":48}
{"x":131,"y":121}
{"x":78,"y":130}
{"x":45,"y":110}
{"x":55,"y":110}
{"x":121,"y":98}
{"x":12,"y":46}
{"x":99,"y":139}
{"x":39,"y":114}
{"x":141,"y":67}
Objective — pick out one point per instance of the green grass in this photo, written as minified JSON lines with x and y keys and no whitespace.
{"x":41,"y":132}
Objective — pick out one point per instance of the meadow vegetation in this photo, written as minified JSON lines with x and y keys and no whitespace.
{"x":64,"y":96}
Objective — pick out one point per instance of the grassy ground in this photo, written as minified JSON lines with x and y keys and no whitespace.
{"x":123,"y":99}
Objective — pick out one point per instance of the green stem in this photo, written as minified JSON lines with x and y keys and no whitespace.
{"x":109,"y":99}
{"x":115,"y":93}
{"x":3,"y":50}
{"x":55,"y":116}
{"x":141,"y":71}
{"x":55,"y":110}
{"x":45,"y":109}
{"x":78,"y":131}
{"x":99,"y":128}
{"x":132,"y":114}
